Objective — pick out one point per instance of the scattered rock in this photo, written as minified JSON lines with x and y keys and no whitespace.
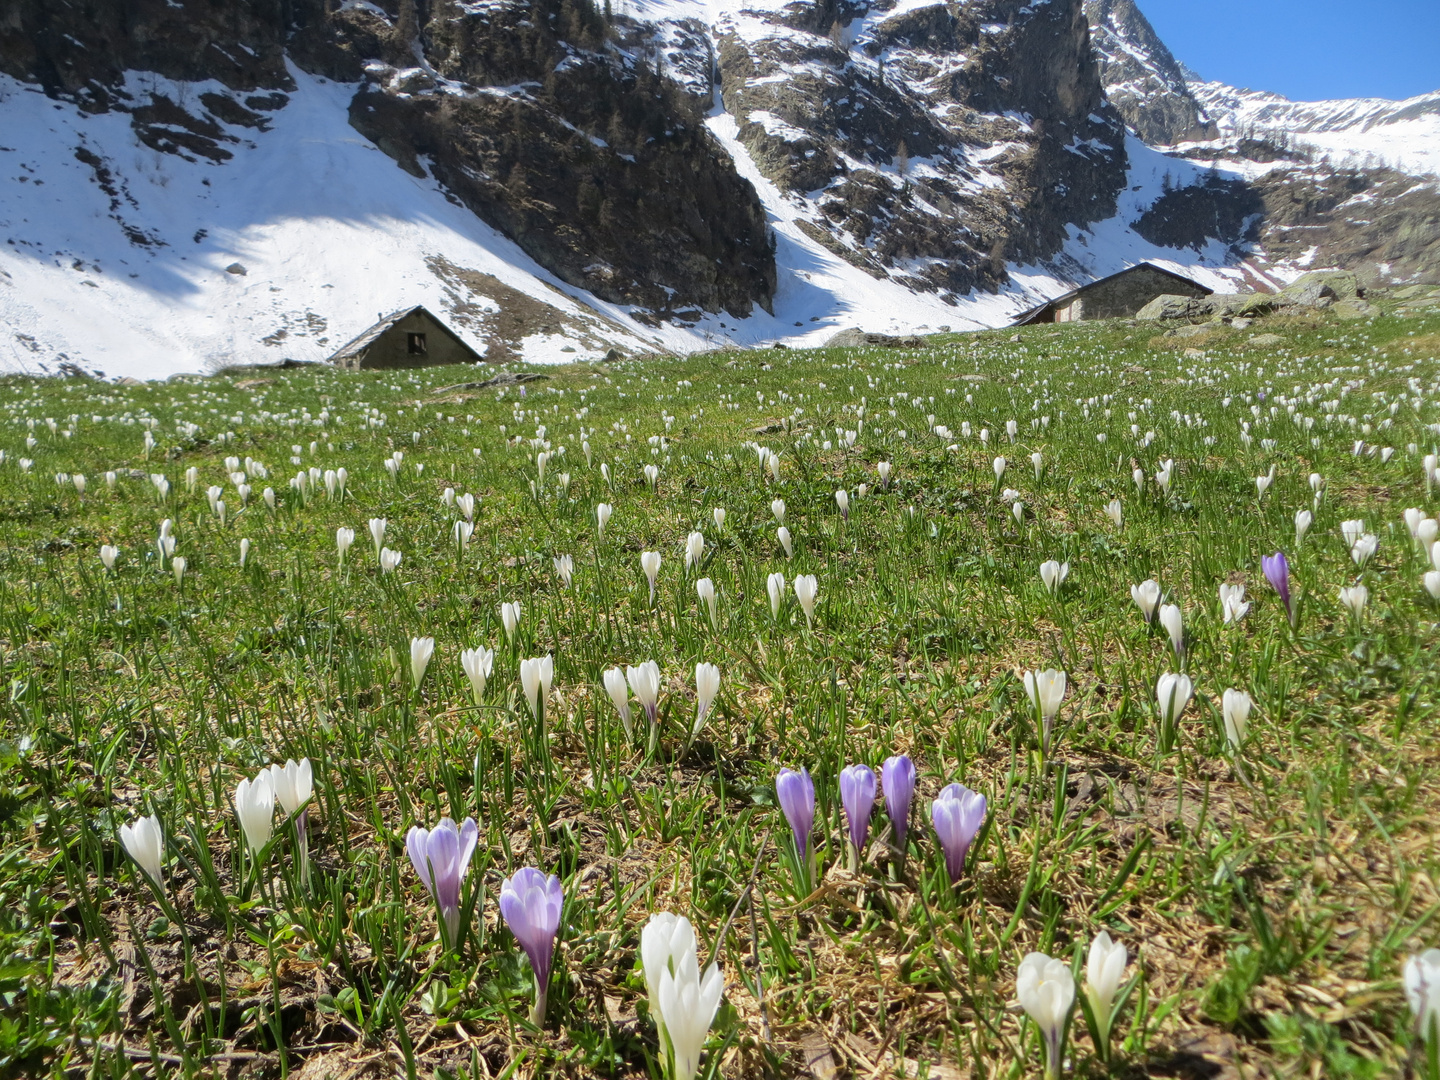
{"x":859,"y":339}
{"x":1355,"y":309}
{"x":1267,"y":340}
{"x":612,"y":355}
{"x":1242,"y":324}
{"x":505,"y":378}
{"x":1193,"y":330}
{"x":236,"y":269}
{"x":1174,"y":306}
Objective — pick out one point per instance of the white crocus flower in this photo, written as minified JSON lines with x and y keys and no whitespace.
{"x":783,"y":535}
{"x":999,"y":466}
{"x":775,"y":586}
{"x":564,"y":569}
{"x":377,"y":534}
{"x":806,"y":592}
{"x":421,"y":649}
{"x":1173,"y":693}
{"x":1046,"y":691}
{"x":777,"y":507}
{"x":535,"y":678}
{"x":682,"y":1002}
{"x":1363,"y":548}
{"x":343,"y":539}
{"x":145,"y":843}
{"x":603,"y":511}
{"x":1235,"y":708}
{"x":255,"y":809}
{"x":650,"y":563}
{"x":614,"y":680}
{"x":510,"y":618}
{"x":1115,"y":513}
{"x":1355,"y":598}
{"x":108,"y":554}
{"x":477,"y":665}
{"x":1053,"y":575}
{"x":1421,"y":977}
{"x":1303,"y":519}
{"x":1173,"y":622}
{"x":1233,"y":605}
{"x":707,"y":685}
{"x":1104,"y":969}
{"x":1147,"y":597}
{"x":705,"y":589}
{"x":389,"y":560}
{"x":1046,"y":990}
{"x":694,"y":549}
{"x":718,"y":516}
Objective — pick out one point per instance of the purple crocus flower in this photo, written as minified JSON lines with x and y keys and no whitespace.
{"x":530,"y":902}
{"x":441,"y":856}
{"x":796,"y":792}
{"x":857,"y":795}
{"x":1277,"y":572}
{"x":957,"y":814}
{"x":897,"y":779}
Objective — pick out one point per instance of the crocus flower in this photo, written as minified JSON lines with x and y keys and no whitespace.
{"x":1422,"y":991}
{"x":1277,"y":572}
{"x":1046,"y":990}
{"x":694,"y":549}
{"x":842,"y":500}
{"x":645,"y":685}
{"x":1115,"y":513}
{"x":1046,"y":691}
{"x":1355,"y":598}
{"x":707,"y":685}
{"x":108,"y":554}
{"x":421,"y":649}
{"x":1233,"y":605}
{"x":718,"y":516}
{"x":244,"y":552}
{"x":602,"y":517}
{"x":775,"y":586}
{"x":530,"y":903}
{"x":477,"y":665}
{"x":705,"y":589}
{"x":1173,"y":692}
{"x":650,"y":563}
{"x":1352,"y":530}
{"x":682,"y":1000}
{"x":177,"y":567}
{"x":1363,"y":548}
{"x":783,"y":535}
{"x":343,"y":539}
{"x":777,"y":507}
{"x":255,"y":809}
{"x":897,"y":781}
{"x":145,"y":842}
{"x":1235,"y":710}
{"x":957,"y":814}
{"x":535,"y":677}
{"x":510,"y":618}
{"x":796,"y":793}
{"x":1173,"y":622}
{"x":615,"y":686}
{"x":293,"y":783}
{"x":1038,"y":461}
{"x":1053,"y":575}
{"x":466,"y":505}
{"x":652,"y":476}
{"x":882,"y":469}
{"x":1431,"y":581}
{"x":999,"y":465}
{"x":805,"y":592}
{"x":441,"y":856}
{"x":389,"y":560}
{"x":564,"y":568}
{"x":377,"y":534}
{"x":1303,"y":519}
{"x":463,"y":531}
{"x":1104,"y":969}
{"x":857,"y":796}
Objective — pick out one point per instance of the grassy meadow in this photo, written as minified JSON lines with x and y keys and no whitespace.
{"x":1268,"y":883}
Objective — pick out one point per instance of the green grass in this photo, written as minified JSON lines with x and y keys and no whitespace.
{"x":1267,"y":897}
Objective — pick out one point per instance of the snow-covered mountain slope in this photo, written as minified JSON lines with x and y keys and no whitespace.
{"x":967,"y":169}
{"x":1347,"y":132}
{"x":1142,"y":78}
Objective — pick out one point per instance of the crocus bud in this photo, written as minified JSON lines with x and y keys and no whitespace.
{"x":718,"y":516}
{"x":1053,"y":575}
{"x":957,"y":814}
{"x":1354,"y":599}
{"x":564,"y":569}
{"x":530,"y":903}
{"x":999,"y":464}
{"x":144,"y":842}
{"x":796,"y":793}
{"x":421,"y":649}
{"x":705,"y":589}
{"x":1173,"y":693}
{"x":842,"y":500}
{"x":108,"y":554}
{"x":775,"y":586}
{"x":1235,"y":709}
{"x":377,"y":534}
{"x":777,"y":507}
{"x":806,"y":592}
{"x":1421,"y":977}
{"x":1046,"y":691}
{"x":441,"y":857}
{"x":645,"y":685}
{"x":682,"y":1001}
{"x":1115,"y":513}
{"x":783,"y":535}
{"x":1277,"y":572}
{"x":477,"y":665}
{"x":1046,"y":990}
{"x":255,"y":809}
{"x":1172,"y":621}
{"x":1147,"y":597}
{"x":343,"y":539}
{"x":694,"y":549}
{"x":650,"y":563}
{"x":602,"y":516}
{"x":510,"y":618}
{"x":707,"y":685}
{"x":857,"y":796}
{"x":897,"y":781}
{"x":536,"y":675}
{"x":614,"y":680}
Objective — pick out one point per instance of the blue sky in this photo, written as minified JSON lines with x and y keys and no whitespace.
{"x":1307,"y":49}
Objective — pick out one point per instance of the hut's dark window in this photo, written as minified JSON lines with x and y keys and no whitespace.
{"x":416,"y":343}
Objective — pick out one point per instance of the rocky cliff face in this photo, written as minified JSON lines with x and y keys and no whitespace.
{"x":932,"y":145}
{"x":1142,"y":78}
{"x":531,"y":114}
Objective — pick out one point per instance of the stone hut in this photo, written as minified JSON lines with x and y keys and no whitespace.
{"x":407,"y":339}
{"x":1118,"y":296}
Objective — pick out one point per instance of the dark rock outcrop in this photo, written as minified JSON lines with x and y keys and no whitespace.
{"x":1142,"y":78}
